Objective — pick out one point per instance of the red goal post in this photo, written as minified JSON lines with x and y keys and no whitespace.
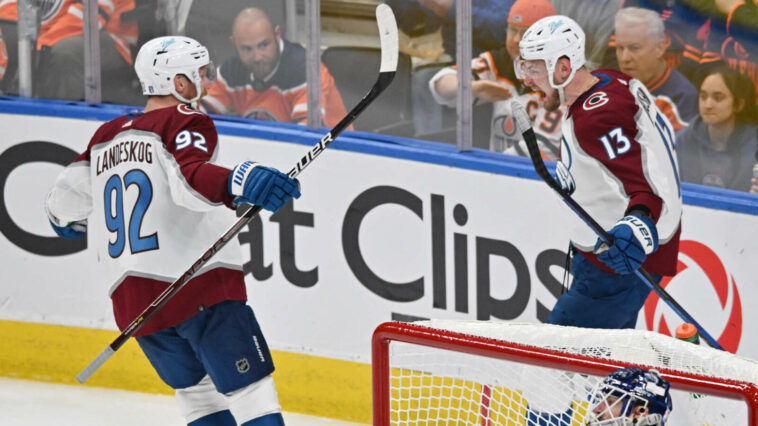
{"x":433,"y":372}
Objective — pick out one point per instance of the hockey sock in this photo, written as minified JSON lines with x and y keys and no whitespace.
{"x":273,"y":419}
{"x":219,"y":418}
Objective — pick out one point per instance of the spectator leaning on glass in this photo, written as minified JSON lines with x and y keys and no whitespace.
{"x":719,"y":147}
{"x":266,"y":79}
{"x":640,"y":50}
{"x":496,"y":81}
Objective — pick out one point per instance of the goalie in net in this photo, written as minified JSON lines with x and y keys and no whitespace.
{"x":631,"y":396}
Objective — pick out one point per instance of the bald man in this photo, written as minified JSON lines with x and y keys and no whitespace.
{"x":266,"y":79}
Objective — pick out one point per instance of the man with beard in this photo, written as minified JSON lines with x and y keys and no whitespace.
{"x":618,"y":163}
{"x":266,"y":79}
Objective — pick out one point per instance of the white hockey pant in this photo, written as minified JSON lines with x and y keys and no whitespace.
{"x":255,"y":400}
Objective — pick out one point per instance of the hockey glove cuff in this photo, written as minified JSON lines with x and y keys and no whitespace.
{"x":634,"y":237}
{"x":72,"y":231}
{"x":264,"y":186}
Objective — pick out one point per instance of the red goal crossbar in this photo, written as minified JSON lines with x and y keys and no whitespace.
{"x":499,"y":349}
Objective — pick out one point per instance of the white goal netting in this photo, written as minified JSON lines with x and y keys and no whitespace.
{"x":471,"y":386}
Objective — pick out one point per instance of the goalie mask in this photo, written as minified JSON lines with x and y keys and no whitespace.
{"x":550,"y":39}
{"x":163,"y":58}
{"x":631,"y":396}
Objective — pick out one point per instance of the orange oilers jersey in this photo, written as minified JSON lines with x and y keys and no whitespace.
{"x":3,"y":56}
{"x":63,"y":18}
{"x":281,"y":97}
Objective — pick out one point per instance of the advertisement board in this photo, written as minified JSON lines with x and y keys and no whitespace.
{"x":383,"y":231}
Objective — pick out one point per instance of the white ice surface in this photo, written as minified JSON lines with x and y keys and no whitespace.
{"x":27,"y":403}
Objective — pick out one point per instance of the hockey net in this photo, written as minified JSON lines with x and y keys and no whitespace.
{"x":493,"y":373}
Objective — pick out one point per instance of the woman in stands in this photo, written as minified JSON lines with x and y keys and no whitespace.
{"x":719,"y":147}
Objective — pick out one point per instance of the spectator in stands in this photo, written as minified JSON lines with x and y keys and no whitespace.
{"x":3,"y":59}
{"x":631,"y":393}
{"x":266,"y":79}
{"x":685,"y":34}
{"x":60,"y":45}
{"x":719,"y":148}
{"x":733,"y":36}
{"x":640,"y":49}
{"x":496,"y":81}
{"x":488,"y":18}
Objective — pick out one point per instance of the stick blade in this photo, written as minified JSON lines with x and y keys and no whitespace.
{"x":388,"y":37}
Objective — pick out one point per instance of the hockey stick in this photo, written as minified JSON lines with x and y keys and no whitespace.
{"x":522,"y":118}
{"x":389,"y":43}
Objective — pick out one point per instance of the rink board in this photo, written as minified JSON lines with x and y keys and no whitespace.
{"x":387,"y":228}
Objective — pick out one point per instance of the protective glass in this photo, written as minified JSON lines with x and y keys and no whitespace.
{"x":532,"y":69}
{"x":209,"y":72}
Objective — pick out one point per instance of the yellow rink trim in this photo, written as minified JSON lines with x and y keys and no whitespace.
{"x":306,"y":384}
{"x":420,"y":398}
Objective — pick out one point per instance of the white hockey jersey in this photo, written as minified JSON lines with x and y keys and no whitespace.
{"x":619,"y":150}
{"x":154,"y":204}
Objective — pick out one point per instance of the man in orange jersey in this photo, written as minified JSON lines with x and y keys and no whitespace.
{"x":266,"y":79}
{"x":60,"y":48}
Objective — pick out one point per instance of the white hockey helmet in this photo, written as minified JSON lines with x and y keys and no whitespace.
{"x":161,"y":59}
{"x":552,"y":38}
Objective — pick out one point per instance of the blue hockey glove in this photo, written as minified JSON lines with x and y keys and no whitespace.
{"x":72,"y":231}
{"x":634,"y":237}
{"x":264,"y":186}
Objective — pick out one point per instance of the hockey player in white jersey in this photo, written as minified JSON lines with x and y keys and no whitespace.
{"x":147,"y":193}
{"x":618,"y":163}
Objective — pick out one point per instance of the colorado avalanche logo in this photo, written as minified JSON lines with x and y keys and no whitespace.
{"x":696,"y":260}
{"x":597,"y":100}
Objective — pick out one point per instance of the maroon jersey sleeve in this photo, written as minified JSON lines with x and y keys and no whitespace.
{"x":605,"y":127}
{"x":193,"y":142}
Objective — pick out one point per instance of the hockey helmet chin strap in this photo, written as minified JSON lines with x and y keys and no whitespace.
{"x":560,"y":87}
{"x":193,"y":101}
